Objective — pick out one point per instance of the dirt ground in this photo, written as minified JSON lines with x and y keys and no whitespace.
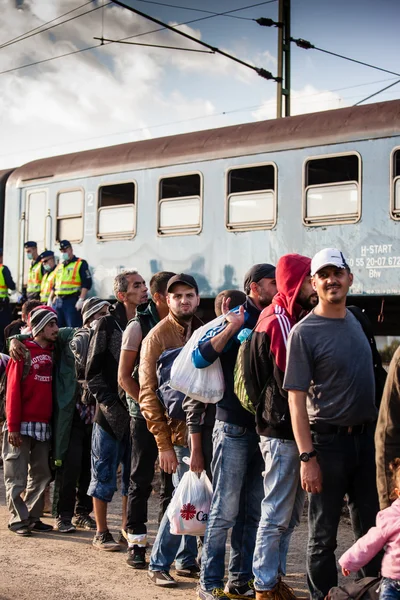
{"x":66,"y":567}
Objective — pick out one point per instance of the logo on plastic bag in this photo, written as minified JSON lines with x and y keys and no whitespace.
{"x":188,"y":512}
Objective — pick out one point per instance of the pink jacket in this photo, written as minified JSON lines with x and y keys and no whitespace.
{"x":386,"y":533}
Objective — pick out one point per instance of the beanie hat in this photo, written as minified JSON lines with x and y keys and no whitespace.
{"x":40,"y":317}
{"x":91,"y":306}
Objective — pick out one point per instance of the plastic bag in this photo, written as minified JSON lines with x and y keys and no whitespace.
{"x":206,"y":385}
{"x":189,"y":508}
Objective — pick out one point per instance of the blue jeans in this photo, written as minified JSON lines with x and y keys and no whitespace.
{"x":237,"y":467}
{"x":280,"y":510}
{"x":167,"y":546}
{"x":107,"y":454}
{"x":390,"y":589}
{"x":67,"y":315}
{"x":347,"y":463}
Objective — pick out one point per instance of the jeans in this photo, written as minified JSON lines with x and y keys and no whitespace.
{"x":237,"y":467}
{"x":73,"y":478}
{"x":168,"y":547}
{"x":281,"y":510}
{"x":390,"y":589}
{"x":144,"y":455}
{"x":107,"y":454}
{"x":67,"y":314}
{"x":347,"y":463}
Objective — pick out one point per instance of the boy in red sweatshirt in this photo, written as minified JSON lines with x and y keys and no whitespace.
{"x":27,"y":429}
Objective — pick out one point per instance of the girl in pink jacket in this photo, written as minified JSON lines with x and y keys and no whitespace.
{"x":385,"y":535}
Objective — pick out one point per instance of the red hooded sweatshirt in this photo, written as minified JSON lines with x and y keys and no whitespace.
{"x":268,"y":347}
{"x":30,"y":399}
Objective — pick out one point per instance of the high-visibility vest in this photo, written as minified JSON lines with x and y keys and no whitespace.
{"x":3,"y":286}
{"x":47,"y":285}
{"x":67,"y":278}
{"x":34,"y":278}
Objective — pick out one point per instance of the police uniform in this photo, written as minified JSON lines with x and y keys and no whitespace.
{"x":6,"y":283}
{"x":35,"y":275}
{"x":70,"y":277}
{"x":48,"y":278}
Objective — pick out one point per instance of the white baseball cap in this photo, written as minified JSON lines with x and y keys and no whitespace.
{"x":326,"y":257}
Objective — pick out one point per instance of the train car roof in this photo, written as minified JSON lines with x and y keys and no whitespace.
{"x":329,"y":127}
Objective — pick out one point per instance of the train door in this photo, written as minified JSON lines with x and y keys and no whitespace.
{"x":37,"y":223}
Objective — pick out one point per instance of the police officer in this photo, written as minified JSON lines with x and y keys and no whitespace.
{"x":49,"y":266}
{"x":6,"y":283}
{"x":72,"y":281}
{"x":35,"y":273}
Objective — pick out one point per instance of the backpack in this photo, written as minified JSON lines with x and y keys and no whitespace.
{"x":363,"y":589}
{"x":242,"y":385}
{"x":171,"y":399}
{"x":3,"y":380}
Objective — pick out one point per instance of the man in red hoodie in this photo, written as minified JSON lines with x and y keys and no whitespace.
{"x":27,"y":428}
{"x":283,"y":495}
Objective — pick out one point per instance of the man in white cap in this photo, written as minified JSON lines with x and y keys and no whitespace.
{"x":331,"y":385}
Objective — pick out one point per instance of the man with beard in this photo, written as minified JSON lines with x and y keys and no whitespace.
{"x":283,"y":495}
{"x":330,"y":380}
{"x":170,"y":434}
{"x":237,"y":461}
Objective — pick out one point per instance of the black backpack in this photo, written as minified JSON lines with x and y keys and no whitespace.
{"x":363,"y":589}
{"x":171,"y":399}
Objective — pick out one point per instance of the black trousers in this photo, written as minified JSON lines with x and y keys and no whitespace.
{"x":5,"y":319}
{"x":73,"y":478}
{"x":144,"y":456}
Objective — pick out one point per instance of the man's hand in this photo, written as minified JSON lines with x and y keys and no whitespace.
{"x":168,"y":461}
{"x":17,"y":350}
{"x":196,"y":461}
{"x":235,"y":319}
{"x":311,"y":476}
{"x":345,"y":572}
{"x":79,"y":304}
{"x":15,"y":438}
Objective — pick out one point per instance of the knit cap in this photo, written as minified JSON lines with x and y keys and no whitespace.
{"x":40,"y":317}
{"x":92,"y":306}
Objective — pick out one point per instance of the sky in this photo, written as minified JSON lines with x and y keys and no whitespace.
{"x":119,"y":93}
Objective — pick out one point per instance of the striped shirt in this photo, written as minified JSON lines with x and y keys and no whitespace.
{"x":38,"y":431}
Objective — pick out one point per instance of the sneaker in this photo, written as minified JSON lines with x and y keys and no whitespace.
{"x":65,"y":525}
{"x":23,"y":530}
{"x":137,"y":557}
{"x":210,"y":595}
{"x":40,"y":526}
{"x":105,"y":541}
{"x":192,"y":571}
{"x":162,"y":578}
{"x":240,"y":591}
{"x":85,"y":522}
{"x":122,"y":538}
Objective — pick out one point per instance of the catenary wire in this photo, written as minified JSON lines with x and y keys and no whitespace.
{"x":376,"y":93}
{"x":153,"y":45}
{"x":202,"y":10}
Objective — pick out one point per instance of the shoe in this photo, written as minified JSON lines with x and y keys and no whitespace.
{"x":240,"y":591}
{"x":122,"y":538}
{"x":40,"y":526}
{"x":137,"y":557}
{"x":210,"y":595}
{"x":105,"y":541}
{"x":23,"y":531}
{"x":65,"y":525}
{"x":192,"y":571}
{"x":280,"y":592}
{"x":162,"y":578}
{"x":85,"y":522}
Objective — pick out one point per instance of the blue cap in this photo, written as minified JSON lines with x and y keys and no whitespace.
{"x":46,"y":254}
{"x":30,"y":245}
{"x":64,"y":244}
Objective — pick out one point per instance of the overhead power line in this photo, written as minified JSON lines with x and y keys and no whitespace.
{"x":153,"y":45}
{"x":376,"y":93}
{"x":259,"y":70}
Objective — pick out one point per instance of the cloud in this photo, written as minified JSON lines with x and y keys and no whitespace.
{"x":307,"y":100}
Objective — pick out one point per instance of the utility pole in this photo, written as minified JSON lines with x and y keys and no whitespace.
{"x":283,"y":75}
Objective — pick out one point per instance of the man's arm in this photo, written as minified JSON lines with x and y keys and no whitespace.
{"x":8,"y":278}
{"x":126,"y":365}
{"x":194,"y":411}
{"x":13,"y":401}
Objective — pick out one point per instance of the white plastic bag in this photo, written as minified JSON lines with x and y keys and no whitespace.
{"x":206,"y":385}
{"x":189,"y":508}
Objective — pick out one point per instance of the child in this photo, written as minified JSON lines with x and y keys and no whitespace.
{"x":386,"y":534}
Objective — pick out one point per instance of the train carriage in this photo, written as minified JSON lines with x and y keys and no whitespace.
{"x":213,"y":202}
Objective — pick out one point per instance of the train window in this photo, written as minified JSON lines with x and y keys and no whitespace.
{"x":396,"y":185}
{"x":70,"y":216}
{"x":251,"y":198}
{"x":332,"y":190}
{"x":117,"y":211}
{"x":180,"y":205}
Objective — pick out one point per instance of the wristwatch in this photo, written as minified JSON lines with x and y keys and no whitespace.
{"x":305,"y":456}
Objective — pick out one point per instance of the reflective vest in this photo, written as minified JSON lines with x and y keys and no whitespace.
{"x":47,"y":285}
{"x":3,"y":286}
{"x":34,"y":278}
{"x":67,"y":278}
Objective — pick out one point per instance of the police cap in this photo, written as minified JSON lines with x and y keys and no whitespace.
{"x":46,"y":254}
{"x":30,"y":245}
{"x":64,"y":244}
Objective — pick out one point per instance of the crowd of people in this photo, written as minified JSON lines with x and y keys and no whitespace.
{"x":305,"y":409}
